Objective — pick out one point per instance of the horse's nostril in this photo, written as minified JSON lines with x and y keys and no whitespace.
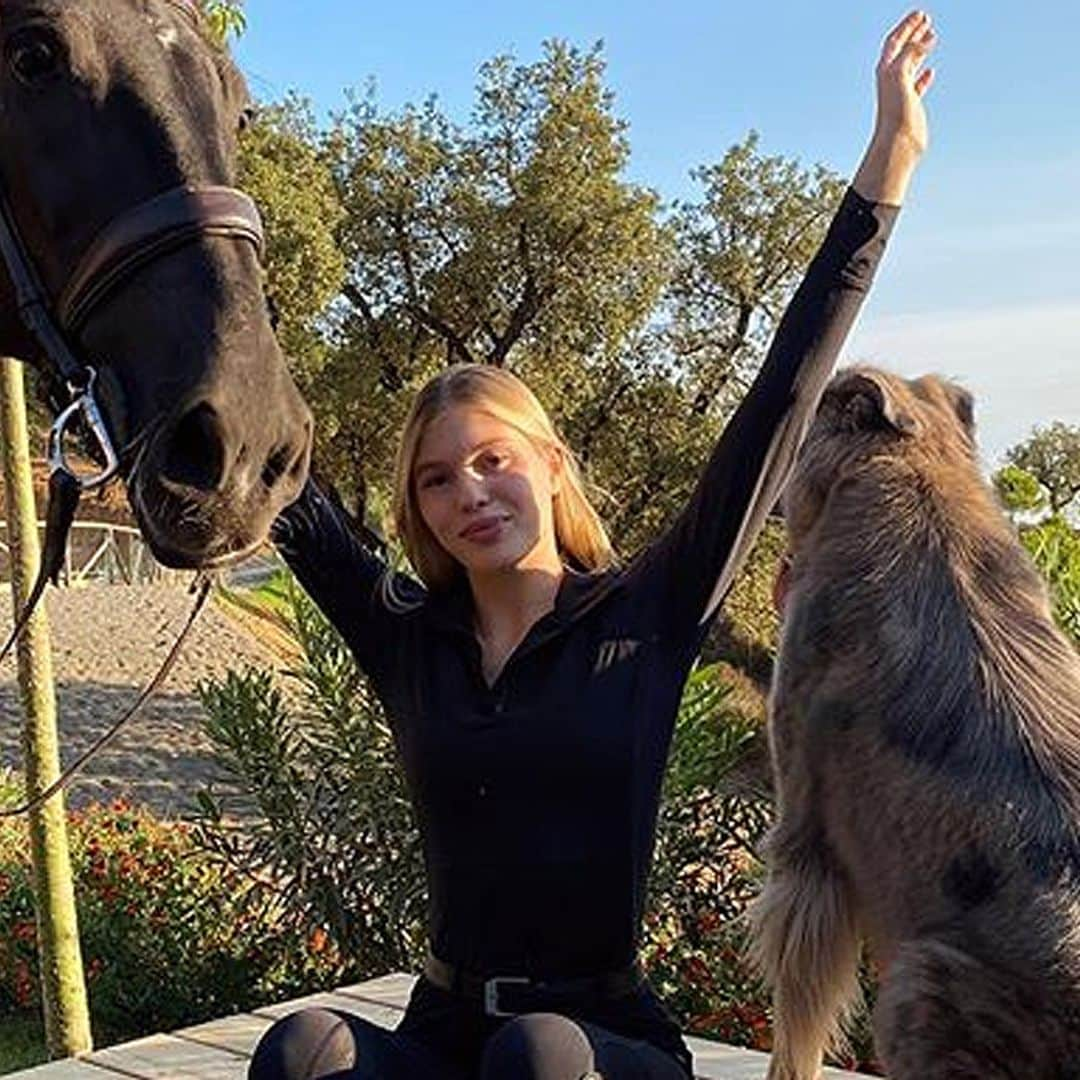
{"x":276,"y":465}
{"x":195,"y":456}
{"x":287,"y":462}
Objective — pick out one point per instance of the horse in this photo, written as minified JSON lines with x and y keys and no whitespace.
{"x":132,"y":274}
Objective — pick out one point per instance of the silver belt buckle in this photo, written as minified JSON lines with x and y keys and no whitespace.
{"x":491,"y":993}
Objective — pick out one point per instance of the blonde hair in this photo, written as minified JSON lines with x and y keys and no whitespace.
{"x":579,"y":533}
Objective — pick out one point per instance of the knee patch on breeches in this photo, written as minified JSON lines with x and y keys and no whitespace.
{"x":539,"y":1046}
{"x":304,"y":1046}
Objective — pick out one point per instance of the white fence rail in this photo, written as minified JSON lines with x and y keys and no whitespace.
{"x":100,"y":552}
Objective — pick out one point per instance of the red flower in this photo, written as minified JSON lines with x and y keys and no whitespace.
{"x":24,"y":985}
{"x":24,"y":930}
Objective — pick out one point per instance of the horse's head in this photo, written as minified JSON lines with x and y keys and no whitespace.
{"x":118,"y":125}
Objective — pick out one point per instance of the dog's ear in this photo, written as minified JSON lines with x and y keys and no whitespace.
{"x":867,"y":400}
{"x":963,"y":404}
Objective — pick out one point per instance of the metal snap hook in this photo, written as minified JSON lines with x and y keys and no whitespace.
{"x":84,"y":403}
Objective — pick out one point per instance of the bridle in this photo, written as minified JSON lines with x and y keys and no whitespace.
{"x":138,"y":237}
{"x":153,"y":229}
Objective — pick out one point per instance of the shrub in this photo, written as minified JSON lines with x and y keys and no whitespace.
{"x":1055,"y":547}
{"x":318,"y":805}
{"x":169,"y":936}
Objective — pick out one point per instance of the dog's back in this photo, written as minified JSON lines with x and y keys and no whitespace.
{"x":926,"y":739}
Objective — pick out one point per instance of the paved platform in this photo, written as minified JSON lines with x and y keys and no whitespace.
{"x":219,"y":1050}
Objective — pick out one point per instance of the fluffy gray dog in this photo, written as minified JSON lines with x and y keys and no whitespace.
{"x":925,"y":735}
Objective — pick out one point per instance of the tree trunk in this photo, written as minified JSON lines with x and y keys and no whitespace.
{"x":67,"y":1020}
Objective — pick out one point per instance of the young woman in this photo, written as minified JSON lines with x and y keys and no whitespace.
{"x":533,"y":685}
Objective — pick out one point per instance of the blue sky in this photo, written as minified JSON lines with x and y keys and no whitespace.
{"x":982,"y":280}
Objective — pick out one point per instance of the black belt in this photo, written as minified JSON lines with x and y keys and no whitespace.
{"x":508,"y":995}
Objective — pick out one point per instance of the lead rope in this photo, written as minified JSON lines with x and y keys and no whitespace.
{"x":64,"y":493}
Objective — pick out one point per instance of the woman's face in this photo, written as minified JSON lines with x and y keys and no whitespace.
{"x":485,"y":492}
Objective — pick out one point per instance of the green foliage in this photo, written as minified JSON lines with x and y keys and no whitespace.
{"x":1052,"y":456}
{"x":511,"y":241}
{"x":1018,"y":490}
{"x":750,"y":623}
{"x":285,"y":169}
{"x":705,"y":871}
{"x":1055,"y":547}
{"x":12,"y":787}
{"x":742,"y":250}
{"x":169,"y":937}
{"x":226,"y":18}
{"x":22,"y":1043}
{"x":319,"y":806}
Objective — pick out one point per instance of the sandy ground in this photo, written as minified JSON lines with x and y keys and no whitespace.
{"x":108,"y":641}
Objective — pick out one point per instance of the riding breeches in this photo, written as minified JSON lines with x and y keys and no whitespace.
{"x":320,"y":1044}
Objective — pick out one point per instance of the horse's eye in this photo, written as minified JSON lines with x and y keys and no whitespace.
{"x":34,"y":55}
{"x":247,"y":117}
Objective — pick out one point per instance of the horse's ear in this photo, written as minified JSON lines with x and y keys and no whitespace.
{"x":867,"y":399}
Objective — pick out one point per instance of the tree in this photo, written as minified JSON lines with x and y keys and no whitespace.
{"x":514,"y":241}
{"x":288,"y":173}
{"x":1019,"y":491}
{"x":1052,"y":455}
{"x":226,"y":18}
{"x":1055,"y":548}
{"x":741,"y":252}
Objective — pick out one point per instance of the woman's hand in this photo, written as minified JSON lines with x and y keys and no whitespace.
{"x":900,"y":131}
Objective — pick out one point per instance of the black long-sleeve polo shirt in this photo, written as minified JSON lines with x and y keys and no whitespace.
{"x":537,"y":796}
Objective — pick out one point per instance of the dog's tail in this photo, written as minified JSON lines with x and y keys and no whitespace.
{"x":806,"y":946}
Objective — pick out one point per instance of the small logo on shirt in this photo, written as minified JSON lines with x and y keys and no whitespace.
{"x":614,"y":651}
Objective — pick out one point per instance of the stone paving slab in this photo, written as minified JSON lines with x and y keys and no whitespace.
{"x":219,"y":1049}
{"x":383,"y":1015}
{"x":239,"y":1034}
{"x":166,"y":1057}
{"x":718,"y":1061}
{"x":69,"y":1069}
{"x":387,"y":989}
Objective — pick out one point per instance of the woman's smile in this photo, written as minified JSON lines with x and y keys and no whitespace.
{"x":486,"y":530}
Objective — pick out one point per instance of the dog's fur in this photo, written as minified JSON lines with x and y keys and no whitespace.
{"x":925,"y":735}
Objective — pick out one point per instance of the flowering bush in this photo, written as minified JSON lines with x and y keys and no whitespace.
{"x":705,"y":871}
{"x":169,"y":936}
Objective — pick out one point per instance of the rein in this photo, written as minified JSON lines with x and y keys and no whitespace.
{"x":152,"y":229}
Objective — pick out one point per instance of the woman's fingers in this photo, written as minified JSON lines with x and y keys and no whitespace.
{"x":924,"y":81}
{"x":911,"y":24}
{"x":916,"y":51}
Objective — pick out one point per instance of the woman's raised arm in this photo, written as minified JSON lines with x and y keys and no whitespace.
{"x":901,"y":133}
{"x":684,"y":576}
